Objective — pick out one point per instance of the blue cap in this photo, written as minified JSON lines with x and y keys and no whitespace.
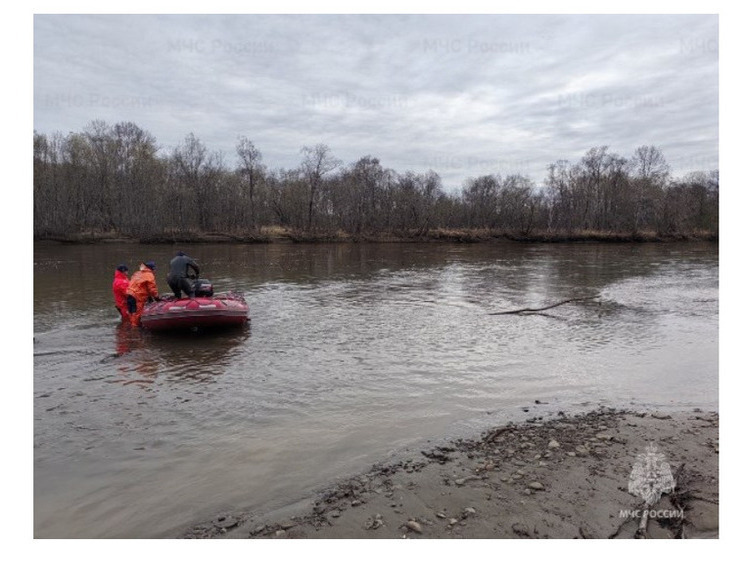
{"x":122,"y":267}
{"x":150,"y":264}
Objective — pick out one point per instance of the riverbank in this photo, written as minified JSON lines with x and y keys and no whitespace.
{"x":565,"y":477}
{"x":274,"y":235}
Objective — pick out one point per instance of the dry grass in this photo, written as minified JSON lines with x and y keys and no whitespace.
{"x":274,"y":234}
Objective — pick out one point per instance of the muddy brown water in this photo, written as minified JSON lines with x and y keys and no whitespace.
{"x":354,"y":354}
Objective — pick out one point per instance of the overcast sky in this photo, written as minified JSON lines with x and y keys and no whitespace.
{"x":461,"y":95}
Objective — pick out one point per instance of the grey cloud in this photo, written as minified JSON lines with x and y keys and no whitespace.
{"x":462,"y":95}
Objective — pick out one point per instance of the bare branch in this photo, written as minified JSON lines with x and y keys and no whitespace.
{"x":533,"y":310}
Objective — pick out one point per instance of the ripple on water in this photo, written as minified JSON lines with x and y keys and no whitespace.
{"x":352,"y":353}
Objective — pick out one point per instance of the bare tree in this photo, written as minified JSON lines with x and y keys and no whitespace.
{"x":650,"y":173}
{"x":112,"y":178}
{"x":480,"y":197}
{"x":649,"y":164}
{"x":514,"y":203}
{"x":317,"y":162}
{"x":250,"y":171}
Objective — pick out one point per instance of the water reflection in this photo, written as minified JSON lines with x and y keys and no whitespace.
{"x":198,"y":356}
{"x":127,"y":338}
{"x":185,"y":356}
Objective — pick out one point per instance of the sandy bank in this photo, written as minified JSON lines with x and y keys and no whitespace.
{"x":567,"y":477}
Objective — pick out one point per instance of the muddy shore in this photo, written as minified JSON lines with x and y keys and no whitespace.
{"x":564,"y":477}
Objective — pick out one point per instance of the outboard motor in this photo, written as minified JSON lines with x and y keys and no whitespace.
{"x":203,"y":288}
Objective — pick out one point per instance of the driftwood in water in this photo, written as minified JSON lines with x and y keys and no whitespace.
{"x":532,"y":310}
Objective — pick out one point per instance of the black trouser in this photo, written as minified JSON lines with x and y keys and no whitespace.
{"x":179,"y":284}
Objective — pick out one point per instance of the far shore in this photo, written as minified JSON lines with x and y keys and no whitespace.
{"x":566,"y":477}
{"x":274,"y":235}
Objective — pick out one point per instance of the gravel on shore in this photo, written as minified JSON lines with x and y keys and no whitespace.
{"x":582,"y":476}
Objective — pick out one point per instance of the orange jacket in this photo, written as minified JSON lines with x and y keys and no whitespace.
{"x":143,"y":285}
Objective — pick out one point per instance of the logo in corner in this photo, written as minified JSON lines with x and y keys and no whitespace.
{"x":651,"y":476}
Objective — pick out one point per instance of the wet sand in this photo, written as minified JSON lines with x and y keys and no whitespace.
{"x":565,"y":477}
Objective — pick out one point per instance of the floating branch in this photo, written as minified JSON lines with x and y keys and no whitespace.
{"x":533,"y":310}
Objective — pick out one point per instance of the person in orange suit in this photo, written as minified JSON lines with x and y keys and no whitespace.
{"x":142,"y":287}
{"x":119,"y":288}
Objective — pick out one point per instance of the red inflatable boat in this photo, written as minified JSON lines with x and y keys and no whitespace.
{"x":206,"y":310}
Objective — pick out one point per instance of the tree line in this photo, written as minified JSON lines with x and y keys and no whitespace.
{"x":113,"y":179}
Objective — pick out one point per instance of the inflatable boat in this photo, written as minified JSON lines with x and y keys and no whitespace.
{"x":205,"y":310}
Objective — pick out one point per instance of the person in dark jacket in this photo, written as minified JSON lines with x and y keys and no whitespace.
{"x":178,"y":277}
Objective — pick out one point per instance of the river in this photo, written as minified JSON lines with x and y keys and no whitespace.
{"x":354,"y":354}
